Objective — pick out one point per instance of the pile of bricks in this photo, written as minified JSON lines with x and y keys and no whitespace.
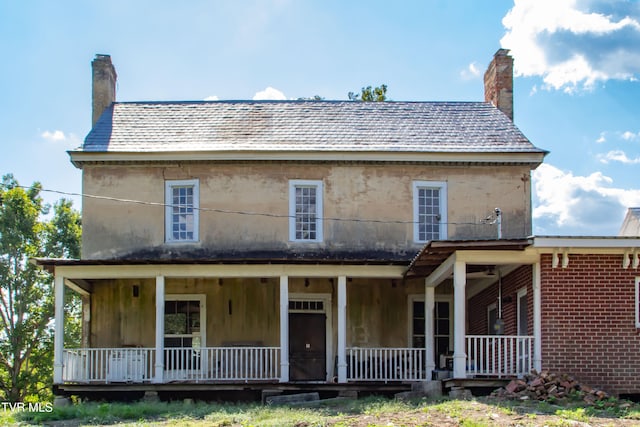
{"x":548,"y":386}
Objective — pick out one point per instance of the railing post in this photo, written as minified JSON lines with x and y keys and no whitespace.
{"x":159,"y":363}
{"x":342,"y":329}
{"x":284,"y":329}
{"x":58,"y":337}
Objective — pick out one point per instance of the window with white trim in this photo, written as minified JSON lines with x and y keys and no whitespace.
{"x":442,"y":326}
{"x":184,"y":320}
{"x":429,"y":211}
{"x":305,"y":211}
{"x":522,"y":309}
{"x":182,"y":207}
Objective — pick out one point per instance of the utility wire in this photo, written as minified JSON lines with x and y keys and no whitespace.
{"x":489,"y":220}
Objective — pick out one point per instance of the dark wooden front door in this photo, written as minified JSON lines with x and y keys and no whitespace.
{"x":307,"y":347}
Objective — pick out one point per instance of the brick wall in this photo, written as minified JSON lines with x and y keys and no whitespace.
{"x":477,"y":305}
{"x":588,"y":322}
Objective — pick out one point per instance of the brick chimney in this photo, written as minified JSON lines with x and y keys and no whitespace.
{"x":104,"y":85}
{"x":498,"y":82}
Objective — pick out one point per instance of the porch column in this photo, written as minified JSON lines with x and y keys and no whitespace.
{"x":459,"y":303}
{"x":58,"y":337}
{"x":537,"y":319}
{"x":429,"y":342}
{"x":342,"y":329}
{"x":86,"y":321}
{"x":284,"y":329}
{"x":159,"y":365}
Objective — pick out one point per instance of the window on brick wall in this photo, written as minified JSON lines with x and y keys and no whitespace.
{"x":523,"y":324}
{"x":492,"y":319}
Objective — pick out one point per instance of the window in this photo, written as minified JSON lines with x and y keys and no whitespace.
{"x":417,"y":336}
{"x":442,"y":328}
{"x":429,"y":211}
{"x":182,"y":323}
{"x":305,"y":211}
{"x":492,"y":319}
{"x":184,"y":331}
{"x":523,"y":324}
{"x":442,"y":331}
{"x":181,"y":215}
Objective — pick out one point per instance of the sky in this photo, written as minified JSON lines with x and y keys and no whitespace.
{"x":576,"y":88}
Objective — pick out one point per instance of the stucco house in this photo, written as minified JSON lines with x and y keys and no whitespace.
{"x":258,"y":244}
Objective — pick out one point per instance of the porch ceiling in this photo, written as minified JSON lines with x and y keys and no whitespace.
{"x":436,"y":252}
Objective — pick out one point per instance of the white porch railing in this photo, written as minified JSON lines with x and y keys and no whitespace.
{"x":136,"y":365}
{"x":499,"y":355}
{"x":222,"y":363}
{"x":107,"y":365}
{"x":385,"y":364}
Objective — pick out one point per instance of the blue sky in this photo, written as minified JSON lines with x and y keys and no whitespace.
{"x":576,"y":90}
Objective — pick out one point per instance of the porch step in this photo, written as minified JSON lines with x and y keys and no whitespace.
{"x":266,"y":393}
{"x":292,"y":399}
{"x":421,"y":389}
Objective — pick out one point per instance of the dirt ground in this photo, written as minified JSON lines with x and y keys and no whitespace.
{"x":480,"y":413}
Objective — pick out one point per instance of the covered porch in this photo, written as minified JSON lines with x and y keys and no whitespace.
{"x":354,"y":305}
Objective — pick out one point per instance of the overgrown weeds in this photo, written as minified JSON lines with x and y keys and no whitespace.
{"x":373,"y":411}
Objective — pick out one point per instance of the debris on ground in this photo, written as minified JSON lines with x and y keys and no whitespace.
{"x":546,"y":386}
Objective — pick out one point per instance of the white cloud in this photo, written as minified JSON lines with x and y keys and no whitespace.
{"x":568,"y":204}
{"x":471,"y":72}
{"x":628,"y":136}
{"x":269,"y":93}
{"x":55,"y":136}
{"x":574,"y":44}
{"x":602,"y":138}
{"x":617,"y":156}
{"x":70,"y":140}
{"x":211,"y":98}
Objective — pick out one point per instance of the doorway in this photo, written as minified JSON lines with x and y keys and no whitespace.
{"x":307,"y":347}
{"x":310,"y":337}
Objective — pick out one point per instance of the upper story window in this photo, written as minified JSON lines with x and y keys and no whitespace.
{"x":429,"y":211}
{"x":181,"y":214}
{"x":305,"y":211}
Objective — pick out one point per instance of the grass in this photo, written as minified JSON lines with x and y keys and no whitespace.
{"x":346,"y":413}
{"x":180,"y":413}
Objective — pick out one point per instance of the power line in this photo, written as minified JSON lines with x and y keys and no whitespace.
{"x":489,"y":220}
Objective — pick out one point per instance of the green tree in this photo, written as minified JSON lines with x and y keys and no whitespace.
{"x":367,"y":94}
{"x":26,"y":292}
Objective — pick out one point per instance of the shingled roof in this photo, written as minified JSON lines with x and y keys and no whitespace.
{"x":325,"y":126}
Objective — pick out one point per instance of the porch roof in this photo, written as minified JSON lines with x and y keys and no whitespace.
{"x":254,"y":258}
{"x":436,"y":252}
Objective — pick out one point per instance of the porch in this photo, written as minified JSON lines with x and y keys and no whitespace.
{"x":379,"y":323}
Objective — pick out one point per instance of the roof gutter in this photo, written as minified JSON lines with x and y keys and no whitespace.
{"x":532,"y":159}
